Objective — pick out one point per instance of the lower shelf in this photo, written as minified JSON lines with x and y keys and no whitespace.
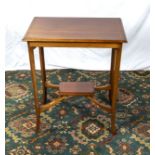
{"x":77,"y":88}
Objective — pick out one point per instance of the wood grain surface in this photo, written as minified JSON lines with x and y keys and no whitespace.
{"x":76,"y":30}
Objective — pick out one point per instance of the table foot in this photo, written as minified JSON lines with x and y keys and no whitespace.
{"x":37,"y":124}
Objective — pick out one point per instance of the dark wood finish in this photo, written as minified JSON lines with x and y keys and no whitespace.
{"x":116,"y":56}
{"x":76,"y":32}
{"x":75,"y":44}
{"x":43,"y":72}
{"x":76,"y":88}
{"x":111,"y":70}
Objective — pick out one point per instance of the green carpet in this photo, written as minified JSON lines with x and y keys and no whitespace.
{"x":76,"y":126}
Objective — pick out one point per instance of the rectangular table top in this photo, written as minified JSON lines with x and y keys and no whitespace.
{"x":58,"y":29}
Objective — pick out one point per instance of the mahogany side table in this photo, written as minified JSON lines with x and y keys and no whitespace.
{"x":76,"y":32}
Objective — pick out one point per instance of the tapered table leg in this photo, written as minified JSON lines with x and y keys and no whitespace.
{"x":114,"y":79}
{"x":34,"y":83}
{"x":43,"y":74}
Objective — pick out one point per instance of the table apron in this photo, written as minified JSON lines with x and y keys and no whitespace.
{"x":74,"y":44}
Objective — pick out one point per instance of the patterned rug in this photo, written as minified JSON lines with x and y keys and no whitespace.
{"x":76,"y":126}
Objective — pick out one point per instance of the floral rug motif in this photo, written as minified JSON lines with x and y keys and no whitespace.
{"x":76,"y":126}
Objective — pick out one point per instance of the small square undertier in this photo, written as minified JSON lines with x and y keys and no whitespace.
{"x":76,"y":88}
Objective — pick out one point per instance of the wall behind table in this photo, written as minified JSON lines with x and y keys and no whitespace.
{"x":134,"y":14}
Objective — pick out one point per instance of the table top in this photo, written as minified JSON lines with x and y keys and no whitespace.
{"x":58,"y":29}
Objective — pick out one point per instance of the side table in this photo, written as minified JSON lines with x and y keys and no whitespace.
{"x":76,"y":32}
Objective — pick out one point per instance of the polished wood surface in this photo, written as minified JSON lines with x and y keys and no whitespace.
{"x":43,"y":73}
{"x":77,"y":88}
{"x":74,"y":44}
{"x":76,"y":30}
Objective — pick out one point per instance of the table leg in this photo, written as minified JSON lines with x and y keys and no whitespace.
{"x":111,"y":71}
{"x":43,"y":74}
{"x":114,"y":79}
{"x":34,"y":83}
